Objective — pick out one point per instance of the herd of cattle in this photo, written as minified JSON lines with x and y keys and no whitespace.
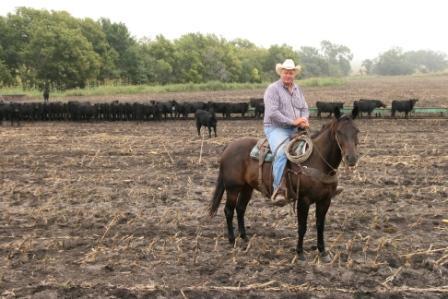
{"x":119,"y":111}
{"x":368,"y":106}
{"x":155,"y":110}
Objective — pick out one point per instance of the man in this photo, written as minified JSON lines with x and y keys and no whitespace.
{"x":46,"y":92}
{"x":285,"y":112}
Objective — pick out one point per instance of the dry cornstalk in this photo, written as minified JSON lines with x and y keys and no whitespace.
{"x":93,"y":158}
{"x":202,"y":145}
{"x":391,"y":278}
{"x":250,"y":243}
{"x":108,"y":227}
{"x":267,"y":286}
{"x":428,"y":251}
{"x":169,"y":155}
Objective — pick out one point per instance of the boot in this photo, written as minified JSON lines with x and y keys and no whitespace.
{"x":279,"y":197}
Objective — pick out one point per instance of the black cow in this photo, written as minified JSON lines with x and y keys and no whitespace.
{"x":102,"y":111}
{"x":405,"y":106}
{"x":328,"y":107}
{"x":4,"y":107}
{"x":368,"y":106}
{"x":166,"y":108}
{"x":151,"y":110}
{"x":11,"y":112}
{"x":56,"y":111}
{"x":238,"y":108}
{"x":81,"y":111}
{"x":228,"y":108}
{"x":186,"y":108}
{"x":258,"y":105}
{"x":181,"y":109}
{"x":220,"y":107}
{"x":27,"y":111}
{"x":207,"y":119}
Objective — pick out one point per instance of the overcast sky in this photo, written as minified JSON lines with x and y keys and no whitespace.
{"x":367,"y":27}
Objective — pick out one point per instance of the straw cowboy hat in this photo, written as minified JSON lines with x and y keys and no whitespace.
{"x":288,"y":64}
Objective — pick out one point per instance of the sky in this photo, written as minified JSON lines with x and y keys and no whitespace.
{"x":367,"y":27}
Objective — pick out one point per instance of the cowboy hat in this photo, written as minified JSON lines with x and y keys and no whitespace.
{"x":288,"y":64}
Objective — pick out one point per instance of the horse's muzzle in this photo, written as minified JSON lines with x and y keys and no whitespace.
{"x":351,"y":160}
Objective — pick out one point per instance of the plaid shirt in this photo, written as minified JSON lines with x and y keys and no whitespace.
{"x":281,"y":107}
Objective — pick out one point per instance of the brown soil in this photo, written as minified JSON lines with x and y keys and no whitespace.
{"x":119,"y":210}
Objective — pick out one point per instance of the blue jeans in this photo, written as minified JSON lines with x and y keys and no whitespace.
{"x":277,"y":138}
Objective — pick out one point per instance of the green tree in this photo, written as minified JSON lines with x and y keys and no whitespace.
{"x":338,"y":58}
{"x":108,"y":56}
{"x":189,"y":62}
{"x":60,"y":55}
{"x":121,"y":41}
{"x":392,"y":62}
{"x":427,"y":60}
{"x":251,"y":60}
{"x":220,"y":60}
{"x":367,"y":65}
{"x":313,"y":63}
{"x":5,"y":75}
{"x":159,"y":57}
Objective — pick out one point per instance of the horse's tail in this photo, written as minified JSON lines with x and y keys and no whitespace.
{"x":217,"y":194}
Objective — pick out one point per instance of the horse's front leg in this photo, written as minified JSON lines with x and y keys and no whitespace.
{"x":321,"y":212}
{"x":302,"y":217}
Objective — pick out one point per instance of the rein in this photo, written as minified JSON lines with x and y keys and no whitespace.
{"x":314,"y":173}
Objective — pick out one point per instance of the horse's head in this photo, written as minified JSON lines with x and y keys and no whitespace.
{"x":346,"y":135}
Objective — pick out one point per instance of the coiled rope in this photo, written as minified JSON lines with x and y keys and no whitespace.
{"x":294,"y":148}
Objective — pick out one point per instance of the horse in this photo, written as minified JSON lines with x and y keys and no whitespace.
{"x":238,"y":176}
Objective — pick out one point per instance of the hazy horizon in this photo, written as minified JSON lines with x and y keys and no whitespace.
{"x":368,"y":28}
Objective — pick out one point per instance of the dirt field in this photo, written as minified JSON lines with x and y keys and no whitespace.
{"x":118,"y":210}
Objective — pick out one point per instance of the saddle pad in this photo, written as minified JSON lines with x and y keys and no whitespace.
{"x":255,"y":154}
{"x":299,"y":149}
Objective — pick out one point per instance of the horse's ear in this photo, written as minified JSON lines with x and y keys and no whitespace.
{"x":355,"y":112}
{"x":337,"y":112}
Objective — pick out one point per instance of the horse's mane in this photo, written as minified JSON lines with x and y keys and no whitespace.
{"x":322,"y":129}
{"x":328,"y":125}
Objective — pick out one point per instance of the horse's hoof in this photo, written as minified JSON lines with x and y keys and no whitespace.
{"x":324,"y":257}
{"x":301,"y":257}
{"x":232,"y":241}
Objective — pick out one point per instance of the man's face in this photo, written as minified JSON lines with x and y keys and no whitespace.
{"x":287,"y":76}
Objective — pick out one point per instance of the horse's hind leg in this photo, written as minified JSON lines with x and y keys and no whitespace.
{"x":243,"y":200}
{"x":232,"y":195}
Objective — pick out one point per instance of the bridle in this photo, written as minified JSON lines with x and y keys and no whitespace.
{"x":340,"y":148}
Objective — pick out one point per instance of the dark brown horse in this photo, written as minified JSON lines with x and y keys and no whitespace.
{"x":238,"y":176}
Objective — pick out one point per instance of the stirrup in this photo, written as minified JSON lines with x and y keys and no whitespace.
{"x":279,"y":199}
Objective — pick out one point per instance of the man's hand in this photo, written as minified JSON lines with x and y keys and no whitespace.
{"x":301,"y":122}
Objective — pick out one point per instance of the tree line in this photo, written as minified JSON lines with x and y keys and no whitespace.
{"x":398,"y":62}
{"x":40,"y":47}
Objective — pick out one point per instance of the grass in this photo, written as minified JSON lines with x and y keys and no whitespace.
{"x":188,"y":87}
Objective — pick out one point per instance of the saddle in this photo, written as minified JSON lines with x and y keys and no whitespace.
{"x":263,"y":153}
{"x":261,"y":150}
{"x":298,"y":150}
